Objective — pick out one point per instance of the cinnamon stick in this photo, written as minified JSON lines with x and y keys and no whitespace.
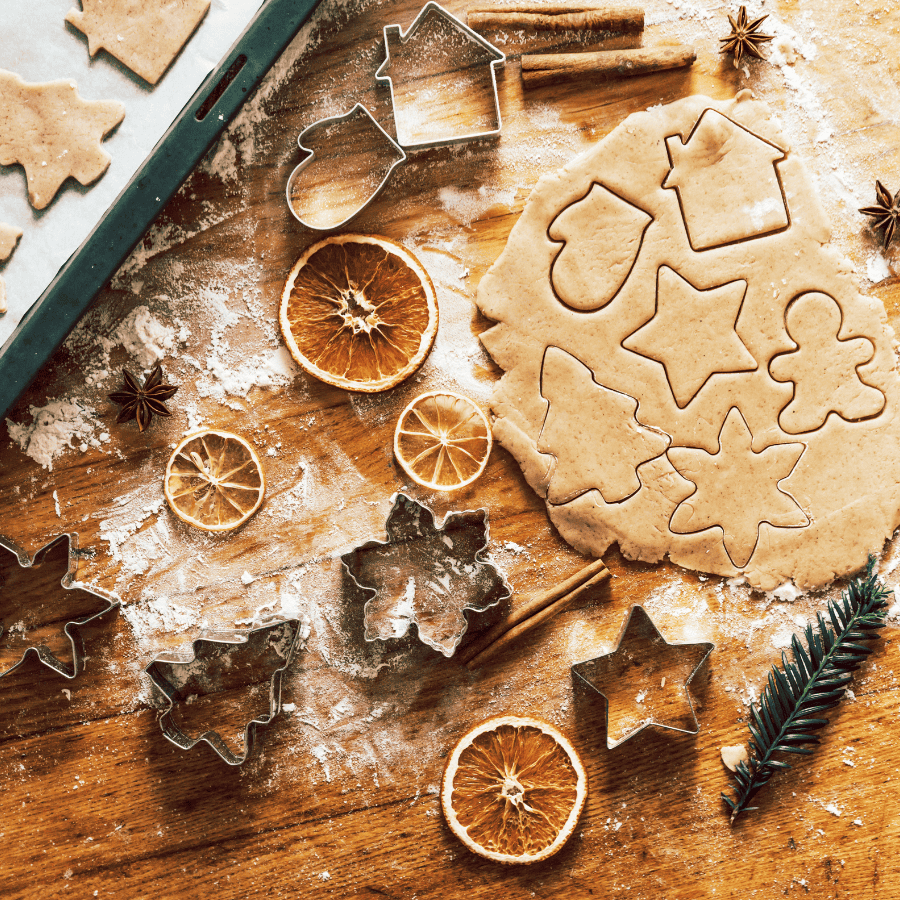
{"x":531,"y":614}
{"x":549,"y":68}
{"x":558,"y":17}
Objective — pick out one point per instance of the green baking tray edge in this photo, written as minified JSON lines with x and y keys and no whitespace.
{"x":213,"y":106}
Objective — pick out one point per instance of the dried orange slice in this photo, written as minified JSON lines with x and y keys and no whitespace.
{"x":359,"y":312}
{"x":442,"y":440}
{"x":513,"y":790}
{"x":214,"y":480}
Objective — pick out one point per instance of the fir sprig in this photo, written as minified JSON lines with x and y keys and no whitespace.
{"x":797,"y":693}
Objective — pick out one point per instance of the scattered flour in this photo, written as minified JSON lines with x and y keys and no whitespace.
{"x":56,"y":427}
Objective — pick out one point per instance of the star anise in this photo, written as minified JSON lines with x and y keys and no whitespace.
{"x":886,"y":211}
{"x":745,"y":37}
{"x":143,"y":403}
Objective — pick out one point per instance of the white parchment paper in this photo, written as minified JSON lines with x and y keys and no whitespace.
{"x":37,"y":44}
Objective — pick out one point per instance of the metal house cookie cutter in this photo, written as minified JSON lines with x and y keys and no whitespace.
{"x":173,"y":693}
{"x":496,"y":59}
{"x":400,"y":156}
{"x":639,"y":627}
{"x":68,"y":583}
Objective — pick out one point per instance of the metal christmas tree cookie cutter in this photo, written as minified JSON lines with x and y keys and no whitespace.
{"x":162,"y":677}
{"x":69,"y":583}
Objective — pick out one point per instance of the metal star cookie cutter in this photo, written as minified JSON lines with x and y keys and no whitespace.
{"x":496,"y":58}
{"x":618,"y":665}
{"x":409,"y":583}
{"x":68,"y":583}
{"x":209,"y":645}
{"x":370,"y":122}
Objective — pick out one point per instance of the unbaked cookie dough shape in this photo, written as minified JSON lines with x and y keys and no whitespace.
{"x":53,"y":133}
{"x":9,"y":237}
{"x":145,"y":36}
{"x":689,"y":367}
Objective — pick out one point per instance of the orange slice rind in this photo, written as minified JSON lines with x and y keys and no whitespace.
{"x":359,"y":312}
{"x":513,"y":790}
{"x":214,"y":481}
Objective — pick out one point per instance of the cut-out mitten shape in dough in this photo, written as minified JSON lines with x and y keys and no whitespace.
{"x":593,"y":432}
{"x":736,"y":472}
{"x":602,"y":235}
{"x":823,"y":368}
{"x":702,"y":320}
{"x":145,"y":36}
{"x":53,"y":133}
{"x":726,"y":181}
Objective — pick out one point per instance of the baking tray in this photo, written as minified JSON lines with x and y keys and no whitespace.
{"x":46,"y":325}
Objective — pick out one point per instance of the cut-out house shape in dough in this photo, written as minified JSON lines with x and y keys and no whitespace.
{"x":442,"y":80}
{"x":727,"y":182}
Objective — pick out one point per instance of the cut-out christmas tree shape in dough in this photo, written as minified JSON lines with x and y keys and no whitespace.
{"x":9,"y":237}
{"x":53,"y":133}
{"x":727,"y":182}
{"x":602,"y":235}
{"x":845,"y":482}
{"x":703,"y":320}
{"x":593,"y":432}
{"x":823,"y":368}
{"x":144,"y":36}
{"x":737,"y":488}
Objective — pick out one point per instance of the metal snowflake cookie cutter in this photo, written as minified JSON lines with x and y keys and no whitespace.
{"x":426,"y":575}
{"x":32,"y":567}
{"x":635,"y":670}
{"x":405,"y":43}
{"x":280,"y":636}
{"x":361,"y":122}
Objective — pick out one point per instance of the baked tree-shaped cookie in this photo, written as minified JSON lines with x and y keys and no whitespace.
{"x":823,"y":368}
{"x":593,"y":432}
{"x":737,"y":488}
{"x":53,"y":133}
{"x":702,"y":320}
{"x":602,"y":235}
{"x":144,"y":36}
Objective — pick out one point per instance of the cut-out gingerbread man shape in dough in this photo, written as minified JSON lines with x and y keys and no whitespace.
{"x":703,"y":320}
{"x":53,"y":133}
{"x":727,"y":182}
{"x":602,"y":235}
{"x":593,"y":432}
{"x":736,"y":471}
{"x":823,"y":368}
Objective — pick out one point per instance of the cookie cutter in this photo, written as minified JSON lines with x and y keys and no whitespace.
{"x":409,"y":522}
{"x":202,"y":648}
{"x":68,"y":583}
{"x":394,"y":32}
{"x":324,"y":123}
{"x":602,"y":669}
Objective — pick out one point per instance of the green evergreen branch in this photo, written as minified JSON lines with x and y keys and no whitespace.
{"x":796,"y":694}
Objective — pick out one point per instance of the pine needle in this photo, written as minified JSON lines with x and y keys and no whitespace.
{"x":797,"y":693}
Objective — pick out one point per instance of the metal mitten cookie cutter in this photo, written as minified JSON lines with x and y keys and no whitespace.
{"x":425,"y":575}
{"x":178,"y":676}
{"x":38,"y":567}
{"x":413,"y":126}
{"x":631,"y":680}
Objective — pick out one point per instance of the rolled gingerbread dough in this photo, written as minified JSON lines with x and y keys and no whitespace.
{"x":690,"y":369}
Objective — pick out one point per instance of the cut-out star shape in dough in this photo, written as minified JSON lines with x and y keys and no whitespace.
{"x":693,"y":333}
{"x":593,"y":432}
{"x":737,"y":489}
{"x":644,"y":680}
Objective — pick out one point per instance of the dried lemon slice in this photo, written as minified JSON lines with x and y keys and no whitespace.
{"x":513,"y":790}
{"x":359,"y":312}
{"x":442,"y":440}
{"x":214,"y":481}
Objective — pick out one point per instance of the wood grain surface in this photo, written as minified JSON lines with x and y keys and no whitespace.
{"x":340,"y":798}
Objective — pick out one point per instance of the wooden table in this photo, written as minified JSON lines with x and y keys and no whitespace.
{"x":340,"y":798}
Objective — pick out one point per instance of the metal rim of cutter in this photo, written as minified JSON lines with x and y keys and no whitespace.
{"x":179,"y":738}
{"x":68,"y":583}
{"x":312,"y":155}
{"x":460,"y":26}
